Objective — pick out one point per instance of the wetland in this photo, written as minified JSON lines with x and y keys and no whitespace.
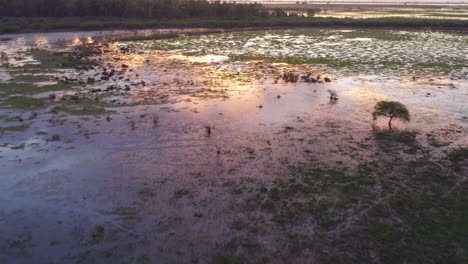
{"x":122,"y":147}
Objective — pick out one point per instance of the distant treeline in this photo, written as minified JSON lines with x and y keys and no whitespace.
{"x":129,"y":8}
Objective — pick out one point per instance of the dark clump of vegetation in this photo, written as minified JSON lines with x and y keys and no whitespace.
{"x":405,"y":136}
{"x":55,"y":137}
{"x":221,"y":259}
{"x":458,"y":154}
{"x":179,"y":193}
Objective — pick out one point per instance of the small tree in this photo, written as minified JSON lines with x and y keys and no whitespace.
{"x":392,"y":110}
{"x":311,"y":13}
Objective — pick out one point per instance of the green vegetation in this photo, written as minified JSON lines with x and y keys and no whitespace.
{"x":14,"y":128}
{"x":415,"y":213}
{"x":30,"y":88}
{"x":181,"y":193}
{"x":49,"y":59}
{"x":83,"y":106}
{"x":447,"y":15}
{"x":24,"y":103}
{"x":41,"y":133}
{"x":221,"y":259}
{"x":392,"y":110}
{"x":31,"y":78}
{"x":385,"y":138}
{"x":23,"y":24}
{"x":458,"y":154}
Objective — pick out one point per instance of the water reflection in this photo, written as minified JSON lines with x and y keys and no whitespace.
{"x":76,"y":41}
{"x":42,"y":42}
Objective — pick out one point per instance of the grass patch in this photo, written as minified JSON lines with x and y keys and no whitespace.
{"x":24,"y":103}
{"x":403,"y":136}
{"x":83,"y":106}
{"x":31,"y":78}
{"x":51,"y":60}
{"x":384,"y":232}
{"x":41,"y":133}
{"x":422,"y":222}
{"x":29,"y":88}
{"x":19,"y":128}
{"x":441,"y":66}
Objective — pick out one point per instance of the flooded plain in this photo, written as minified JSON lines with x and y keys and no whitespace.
{"x":227,"y":148}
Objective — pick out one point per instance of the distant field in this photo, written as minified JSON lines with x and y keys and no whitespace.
{"x":16,"y":25}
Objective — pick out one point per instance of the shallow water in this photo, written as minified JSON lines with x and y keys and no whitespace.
{"x":169,"y":186}
{"x":357,"y":51}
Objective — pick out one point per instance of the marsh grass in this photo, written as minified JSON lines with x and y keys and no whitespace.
{"x":28,"y":88}
{"x":83,"y":107}
{"x":19,"y":128}
{"x":355,"y":211}
{"x":23,"y":24}
{"x":24,"y":103}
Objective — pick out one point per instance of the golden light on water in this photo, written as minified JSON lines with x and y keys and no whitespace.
{"x":42,"y":42}
{"x":76,"y":41}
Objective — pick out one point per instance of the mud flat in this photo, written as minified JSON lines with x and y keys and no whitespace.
{"x":226,"y":148}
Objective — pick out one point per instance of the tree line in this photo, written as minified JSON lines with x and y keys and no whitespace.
{"x":129,"y":8}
